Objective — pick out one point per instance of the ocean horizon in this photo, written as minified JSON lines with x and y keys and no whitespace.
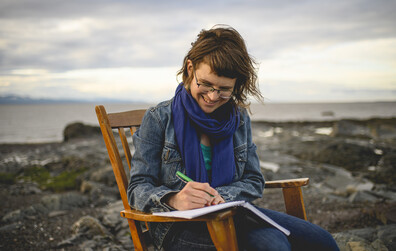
{"x":39,"y":123}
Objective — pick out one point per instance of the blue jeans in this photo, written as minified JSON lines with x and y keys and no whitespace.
{"x":256,"y":236}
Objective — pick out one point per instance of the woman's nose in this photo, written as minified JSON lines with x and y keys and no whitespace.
{"x":213,"y":95}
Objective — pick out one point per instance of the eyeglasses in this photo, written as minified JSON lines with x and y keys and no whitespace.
{"x":205,"y":88}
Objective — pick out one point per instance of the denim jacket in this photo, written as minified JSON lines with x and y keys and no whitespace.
{"x":157,"y":158}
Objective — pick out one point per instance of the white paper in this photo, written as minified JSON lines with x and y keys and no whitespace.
{"x":193,"y":213}
{"x":266,"y":218}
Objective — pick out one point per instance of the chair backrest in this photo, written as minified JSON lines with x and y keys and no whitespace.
{"x":120,"y":121}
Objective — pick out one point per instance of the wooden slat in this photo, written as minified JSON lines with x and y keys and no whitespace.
{"x":125,"y":146}
{"x":126,"y":119}
{"x":133,"y":129}
{"x":287,"y":183}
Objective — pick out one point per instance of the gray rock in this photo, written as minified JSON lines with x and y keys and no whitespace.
{"x":54,"y":214}
{"x":103,"y":175}
{"x":383,"y":129}
{"x":30,"y":213}
{"x":343,"y":239}
{"x":350,"y":128}
{"x":112,"y":218}
{"x":386,"y":169}
{"x":378,"y":245}
{"x":380,"y":238}
{"x":10,"y":227}
{"x":25,"y":189}
{"x":13,"y":216}
{"x":387,"y":234}
{"x":89,"y":226}
{"x":365,"y":246}
{"x":362,"y":196}
{"x":90,"y":234}
{"x":65,"y":201}
{"x":79,"y":130}
{"x":348,"y":155}
{"x":99,"y":193}
{"x":48,"y":203}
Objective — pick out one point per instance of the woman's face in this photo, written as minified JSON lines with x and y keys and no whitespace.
{"x":208,"y":101}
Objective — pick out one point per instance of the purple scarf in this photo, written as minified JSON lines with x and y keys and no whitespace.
{"x":189,"y":120}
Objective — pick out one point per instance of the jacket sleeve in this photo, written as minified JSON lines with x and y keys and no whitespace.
{"x":144,"y":190}
{"x":250,"y":184}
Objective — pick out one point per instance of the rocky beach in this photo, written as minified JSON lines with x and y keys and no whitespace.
{"x":63,"y":195}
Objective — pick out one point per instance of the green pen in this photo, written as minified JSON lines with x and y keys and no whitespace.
{"x":186,"y":179}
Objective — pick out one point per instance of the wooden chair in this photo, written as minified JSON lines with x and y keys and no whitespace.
{"x":220,"y":224}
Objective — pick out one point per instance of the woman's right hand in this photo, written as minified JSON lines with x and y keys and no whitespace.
{"x":194,"y":195}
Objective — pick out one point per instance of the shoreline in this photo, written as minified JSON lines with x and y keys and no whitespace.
{"x":373,"y":121}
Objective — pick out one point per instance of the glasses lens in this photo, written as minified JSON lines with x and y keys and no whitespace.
{"x":225,"y":94}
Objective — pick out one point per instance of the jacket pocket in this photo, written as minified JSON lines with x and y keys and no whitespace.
{"x":171,"y":163}
{"x":240,"y":154}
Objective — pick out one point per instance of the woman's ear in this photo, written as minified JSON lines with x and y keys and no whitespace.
{"x":190,"y":67}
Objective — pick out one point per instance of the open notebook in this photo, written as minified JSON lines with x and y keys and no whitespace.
{"x":189,"y":214}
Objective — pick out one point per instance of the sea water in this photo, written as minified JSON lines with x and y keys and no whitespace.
{"x":45,"y":122}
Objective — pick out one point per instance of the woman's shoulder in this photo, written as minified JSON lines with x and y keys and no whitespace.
{"x":162,"y":107}
{"x":244,"y":115}
{"x":161,"y":113}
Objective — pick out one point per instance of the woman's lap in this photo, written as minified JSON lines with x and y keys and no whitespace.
{"x":189,"y":236}
{"x":304,"y":235}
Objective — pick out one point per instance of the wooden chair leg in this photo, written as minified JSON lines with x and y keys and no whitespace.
{"x":223,"y":234}
{"x":294,"y":202}
{"x":137,"y":235}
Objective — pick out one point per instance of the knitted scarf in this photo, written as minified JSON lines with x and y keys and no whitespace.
{"x":189,"y":121}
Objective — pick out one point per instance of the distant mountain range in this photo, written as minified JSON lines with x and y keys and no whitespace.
{"x":14,"y":99}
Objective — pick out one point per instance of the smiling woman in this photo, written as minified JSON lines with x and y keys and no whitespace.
{"x":205,"y":132}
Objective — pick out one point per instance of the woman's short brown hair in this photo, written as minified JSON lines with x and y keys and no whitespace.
{"x":224,"y":50}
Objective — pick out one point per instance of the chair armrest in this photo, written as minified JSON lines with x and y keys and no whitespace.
{"x":287,"y":183}
{"x":148,"y":217}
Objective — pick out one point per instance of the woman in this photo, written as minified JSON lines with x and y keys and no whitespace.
{"x":205,"y":132}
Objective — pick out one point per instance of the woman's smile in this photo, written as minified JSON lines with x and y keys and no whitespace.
{"x":209,"y":101}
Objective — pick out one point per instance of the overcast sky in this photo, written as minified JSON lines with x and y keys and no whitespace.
{"x":308,"y":51}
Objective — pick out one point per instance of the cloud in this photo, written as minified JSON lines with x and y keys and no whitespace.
{"x":61,"y":35}
{"x":133,"y":84}
{"x":337,"y":43}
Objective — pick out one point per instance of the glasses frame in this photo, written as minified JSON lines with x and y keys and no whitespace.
{"x":212,"y":89}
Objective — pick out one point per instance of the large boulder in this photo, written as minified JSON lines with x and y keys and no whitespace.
{"x":348,"y":155}
{"x":351,"y":156}
{"x":350,"y":128}
{"x":80,"y":130}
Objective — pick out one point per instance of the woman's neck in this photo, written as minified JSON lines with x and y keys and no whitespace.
{"x":205,"y":139}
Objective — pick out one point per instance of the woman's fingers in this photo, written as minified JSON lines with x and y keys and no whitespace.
{"x":195,"y":195}
{"x":203,"y":187}
{"x":217,"y":200}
